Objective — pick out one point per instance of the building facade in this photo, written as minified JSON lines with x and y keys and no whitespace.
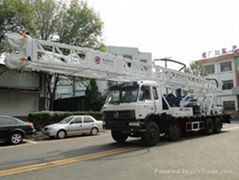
{"x":225,"y":69}
{"x":127,"y":52}
{"x":130,"y":53}
{"x":20,"y":92}
{"x":67,"y":88}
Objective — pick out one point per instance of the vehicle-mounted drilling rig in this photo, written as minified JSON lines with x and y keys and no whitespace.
{"x":150,"y":101}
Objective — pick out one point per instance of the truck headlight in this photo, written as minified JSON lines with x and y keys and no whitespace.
{"x":134,"y":124}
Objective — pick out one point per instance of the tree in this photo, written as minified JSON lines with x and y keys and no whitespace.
{"x":47,"y":16}
{"x":76,"y":25}
{"x":80,"y":26}
{"x":196,"y":68}
{"x":73,"y":23}
{"x":15,"y":15}
{"x":93,"y":99}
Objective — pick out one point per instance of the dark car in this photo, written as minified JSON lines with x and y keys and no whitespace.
{"x":13,"y":130}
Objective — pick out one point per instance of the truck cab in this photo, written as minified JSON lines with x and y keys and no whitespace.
{"x":128,"y":104}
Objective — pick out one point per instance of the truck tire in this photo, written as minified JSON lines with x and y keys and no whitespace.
{"x":119,"y":136}
{"x":174,"y":131}
{"x":217,"y":125}
{"x":209,"y":126}
{"x":151,"y":135}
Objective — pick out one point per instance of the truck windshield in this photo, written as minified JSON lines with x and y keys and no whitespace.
{"x":122,"y":93}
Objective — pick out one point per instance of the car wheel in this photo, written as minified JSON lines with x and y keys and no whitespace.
{"x":61,"y":134}
{"x":16,"y":138}
{"x":94,"y":131}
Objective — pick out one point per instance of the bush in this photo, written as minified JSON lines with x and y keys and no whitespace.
{"x":43,"y":118}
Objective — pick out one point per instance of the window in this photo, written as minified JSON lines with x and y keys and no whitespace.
{"x":226,"y":66}
{"x":143,"y":60}
{"x":210,"y":69}
{"x":165,"y":106}
{"x":145,"y":93}
{"x":7,"y":121}
{"x":155,"y":94}
{"x":88,"y":120}
{"x":3,"y":121}
{"x":229,"y":105}
{"x":127,"y":56}
{"x":78,"y":120}
{"x":227,"y":84}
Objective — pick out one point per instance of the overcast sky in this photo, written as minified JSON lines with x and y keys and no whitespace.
{"x":180,"y":29}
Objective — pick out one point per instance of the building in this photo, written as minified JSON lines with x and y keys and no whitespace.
{"x":67,"y":88}
{"x":20,"y":92}
{"x":130,"y":53}
{"x":225,"y":69}
{"x":126,"y":52}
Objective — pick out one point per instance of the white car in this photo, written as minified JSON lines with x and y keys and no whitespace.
{"x":72,"y":126}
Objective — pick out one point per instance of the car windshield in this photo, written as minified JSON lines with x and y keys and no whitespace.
{"x":123,"y":93}
{"x":66,"y":120}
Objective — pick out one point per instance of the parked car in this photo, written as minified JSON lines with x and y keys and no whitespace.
{"x":13,"y":130}
{"x":72,"y":126}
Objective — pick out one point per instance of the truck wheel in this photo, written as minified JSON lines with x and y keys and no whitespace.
{"x":151,"y":135}
{"x":119,"y":136}
{"x":209,"y":126}
{"x":217,"y":125}
{"x":174,"y":131}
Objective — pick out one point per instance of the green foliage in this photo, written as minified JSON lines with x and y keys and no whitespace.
{"x":93,"y":99}
{"x":74,"y":23}
{"x":47,"y":16}
{"x":196,"y":68}
{"x":15,"y":15}
{"x":80,"y":26}
{"x":43,"y":118}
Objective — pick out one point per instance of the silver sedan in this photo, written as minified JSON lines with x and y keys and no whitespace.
{"x":72,"y":126}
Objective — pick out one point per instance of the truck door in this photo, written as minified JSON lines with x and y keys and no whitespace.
{"x":146,"y":103}
{"x":157,"y":100}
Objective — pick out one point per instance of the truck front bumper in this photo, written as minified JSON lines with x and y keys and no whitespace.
{"x":124,"y":126}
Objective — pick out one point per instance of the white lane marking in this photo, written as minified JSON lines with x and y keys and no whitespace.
{"x":30,"y":141}
{"x":228,"y":129}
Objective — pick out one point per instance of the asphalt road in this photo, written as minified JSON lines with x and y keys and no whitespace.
{"x":98,"y":157}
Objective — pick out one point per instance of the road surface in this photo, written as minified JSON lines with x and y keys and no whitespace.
{"x":98,"y":157}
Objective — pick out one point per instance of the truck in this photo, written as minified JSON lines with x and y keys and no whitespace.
{"x":147,"y":101}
